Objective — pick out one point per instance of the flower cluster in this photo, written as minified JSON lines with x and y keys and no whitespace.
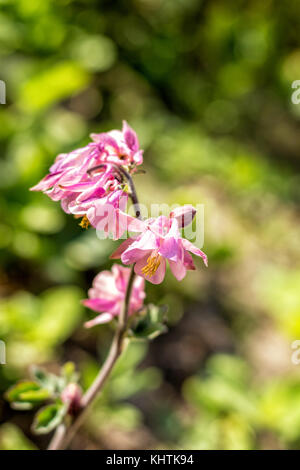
{"x":89,"y":183}
{"x":87,"y":178}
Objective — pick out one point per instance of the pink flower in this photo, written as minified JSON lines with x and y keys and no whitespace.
{"x":120,"y":147}
{"x":108,"y":293}
{"x":159,"y":241}
{"x":69,"y":180}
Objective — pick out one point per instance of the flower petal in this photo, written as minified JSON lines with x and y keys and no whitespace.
{"x":188,"y":261}
{"x":193,"y":249}
{"x":178,"y":269}
{"x":100,"y":305}
{"x":99,"y":320}
{"x":171,"y":249}
{"x":122,"y":247}
{"x":184,"y":215}
{"x":130,"y":137}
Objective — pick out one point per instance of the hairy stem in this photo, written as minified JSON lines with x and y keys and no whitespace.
{"x":133,"y":194}
{"x":63,"y":435}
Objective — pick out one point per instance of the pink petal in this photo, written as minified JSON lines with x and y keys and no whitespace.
{"x":77,"y":187}
{"x":159,"y":226}
{"x":105,"y":139}
{"x":130,"y":137}
{"x":47,"y":182}
{"x":142,"y":245}
{"x":137,"y":295}
{"x":178,"y":269}
{"x":171,"y":249}
{"x":93,"y":193}
{"x":193,"y":249}
{"x":124,"y":222}
{"x":121,"y":276}
{"x":138,"y":157}
{"x":132,"y":255}
{"x":99,"y":320}
{"x":122,"y":247}
{"x":99,"y":305}
{"x":188,"y":261}
{"x":65,"y":203}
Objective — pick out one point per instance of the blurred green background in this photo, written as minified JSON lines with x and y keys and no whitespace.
{"x":207,"y":86}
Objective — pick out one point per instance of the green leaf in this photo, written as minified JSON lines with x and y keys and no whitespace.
{"x":48,"y":418}
{"x":26,"y":394}
{"x":35,"y":396}
{"x":51,"y":382}
{"x":150,"y":324}
{"x":15,"y":391}
{"x":157,"y":313}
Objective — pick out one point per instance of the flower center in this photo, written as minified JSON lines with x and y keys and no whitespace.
{"x":152,"y":265}
{"x":84,"y":222}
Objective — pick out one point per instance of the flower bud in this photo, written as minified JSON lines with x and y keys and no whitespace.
{"x":71,"y":396}
{"x":184,"y":215}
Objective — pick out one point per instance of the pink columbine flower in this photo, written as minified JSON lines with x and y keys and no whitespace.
{"x":160,"y":241}
{"x":108,"y":293}
{"x":70,"y":181}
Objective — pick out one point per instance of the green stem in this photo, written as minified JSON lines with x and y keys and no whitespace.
{"x":63,"y":435}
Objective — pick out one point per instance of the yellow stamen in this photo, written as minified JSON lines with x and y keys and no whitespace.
{"x":152,"y":265}
{"x":84,"y":222}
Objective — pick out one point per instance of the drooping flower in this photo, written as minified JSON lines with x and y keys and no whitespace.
{"x":70,"y":180}
{"x":108,"y":293}
{"x":160,"y":241}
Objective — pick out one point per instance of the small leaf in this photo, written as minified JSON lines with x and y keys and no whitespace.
{"x":158,"y":313}
{"x":48,"y":418}
{"x":151,"y":323}
{"x":13,"y":393}
{"x":25,"y":395}
{"x":35,"y":396}
{"x":51,"y":382}
{"x":39,"y":374}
